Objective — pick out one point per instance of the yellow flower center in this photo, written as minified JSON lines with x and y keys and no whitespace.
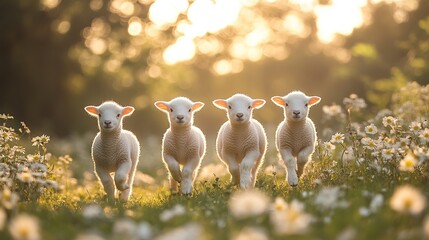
{"x":408,"y":203}
{"x":409,"y":163}
{"x":24,"y":232}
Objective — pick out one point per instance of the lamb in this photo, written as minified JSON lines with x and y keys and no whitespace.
{"x":183,"y":144}
{"x":114,"y":150}
{"x":296,"y":135}
{"x":241,"y":142}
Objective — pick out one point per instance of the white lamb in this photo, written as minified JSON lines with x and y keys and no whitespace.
{"x":183,"y":144}
{"x":114,"y":150}
{"x":241,"y":142}
{"x":296,"y":135}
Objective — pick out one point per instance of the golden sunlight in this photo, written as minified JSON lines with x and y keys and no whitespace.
{"x":257,"y":37}
{"x":134,"y":26}
{"x":182,"y":50}
{"x":341,"y":17}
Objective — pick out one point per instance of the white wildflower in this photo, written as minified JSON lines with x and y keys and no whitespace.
{"x":371,"y":129}
{"x":171,"y":213}
{"x":337,"y":138}
{"x":408,"y":199}
{"x":415,"y":127}
{"x":408,"y":163}
{"x":92,"y":211}
{"x":424,"y":135}
{"x":24,"y":227}
{"x":389,"y":121}
{"x":251,"y":233}
{"x":248,"y":203}
{"x":187,"y":232}
{"x":329,"y":198}
{"x":291,"y":219}
{"x":124,"y":228}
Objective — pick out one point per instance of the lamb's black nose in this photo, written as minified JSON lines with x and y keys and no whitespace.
{"x":180,"y":117}
{"x":296,"y":112}
{"x":107,"y":122}
{"x":239,"y":115}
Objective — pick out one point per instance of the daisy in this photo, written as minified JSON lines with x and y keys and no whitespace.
{"x":332,"y":111}
{"x":403,"y":143}
{"x":291,"y":220}
{"x":337,"y":138}
{"x":329,"y":147}
{"x":415,"y":127}
{"x":408,"y":199}
{"x":247,"y":204}
{"x":252,"y":233}
{"x":371,"y":129}
{"x":389,"y":121}
{"x":424,"y":135}
{"x":25,"y":177}
{"x":388,"y":153}
{"x":24,"y":227}
{"x":171,"y":213}
{"x":408,"y":163}
{"x":353,"y":102}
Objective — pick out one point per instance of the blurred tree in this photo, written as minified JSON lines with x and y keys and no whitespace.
{"x":58,"y":56}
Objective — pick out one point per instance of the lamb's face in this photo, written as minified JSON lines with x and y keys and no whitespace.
{"x":180,"y":110}
{"x":296,"y":105}
{"x":109,"y":115}
{"x":239,"y":107}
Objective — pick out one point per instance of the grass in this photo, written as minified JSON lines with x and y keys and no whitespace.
{"x":60,"y":214}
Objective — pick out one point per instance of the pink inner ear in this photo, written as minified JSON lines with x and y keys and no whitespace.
{"x":279,"y":101}
{"x":221,"y":103}
{"x":258,"y":103}
{"x":313,"y":100}
{"x":197,"y":106}
{"x":91,"y":109}
{"x":162,"y":106}
{"x":127,"y":110}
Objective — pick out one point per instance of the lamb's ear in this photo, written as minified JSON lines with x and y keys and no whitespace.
{"x":279,"y":101}
{"x":92,"y":110}
{"x":127,"y":111}
{"x":313,"y":100}
{"x":258,"y":103}
{"x":162,"y":105}
{"x":197,"y":106}
{"x":221,"y":103}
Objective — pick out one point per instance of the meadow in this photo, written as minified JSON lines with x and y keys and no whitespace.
{"x":367,"y":180}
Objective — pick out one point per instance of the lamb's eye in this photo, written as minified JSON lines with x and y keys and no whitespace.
{"x":118,"y":115}
{"x":306,"y":104}
{"x":287,"y":104}
{"x":189,"y":109}
{"x":99,"y":114}
{"x":171,"y":110}
{"x":248,"y":107}
{"x":229,"y":107}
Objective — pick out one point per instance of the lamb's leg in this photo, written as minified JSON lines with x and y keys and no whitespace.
{"x":125,"y":195}
{"x":107,"y":182}
{"x":255,"y":170}
{"x":121,"y":175}
{"x":303,"y":157}
{"x":233,"y":169}
{"x":174,"y":172}
{"x":290,"y":163}
{"x":246,"y":167}
{"x":174,"y":185}
{"x":189,"y":174}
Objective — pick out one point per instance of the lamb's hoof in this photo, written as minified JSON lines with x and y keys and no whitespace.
{"x":293,"y":185}
{"x":123,"y":187}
